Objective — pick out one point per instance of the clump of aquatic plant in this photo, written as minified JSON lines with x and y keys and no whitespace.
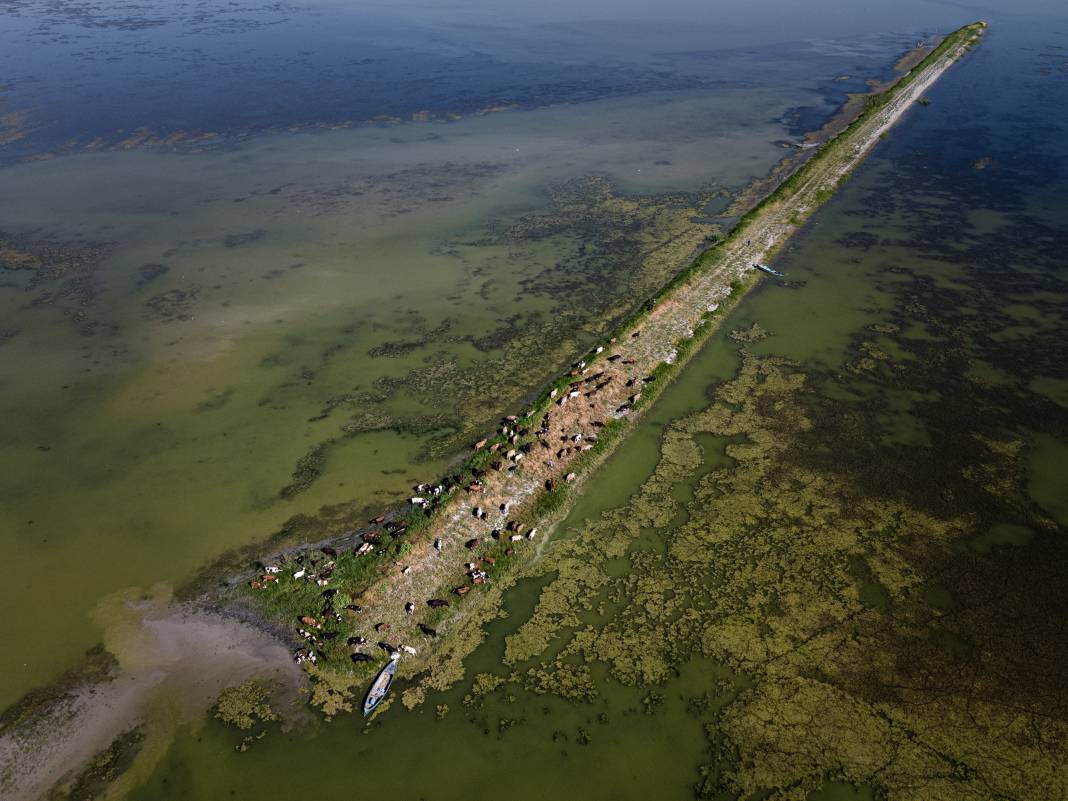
{"x":245,"y":705}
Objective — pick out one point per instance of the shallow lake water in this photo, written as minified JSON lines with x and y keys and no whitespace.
{"x":925,"y":309}
{"x":361,"y":234}
{"x":204,"y":338}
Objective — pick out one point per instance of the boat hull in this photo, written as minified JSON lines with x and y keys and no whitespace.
{"x":379,"y":687}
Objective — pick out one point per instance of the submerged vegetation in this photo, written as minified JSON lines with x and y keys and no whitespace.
{"x":815,"y":593}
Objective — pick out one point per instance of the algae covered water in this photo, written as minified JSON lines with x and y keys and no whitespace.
{"x":264,"y":268}
{"x":830,"y":562}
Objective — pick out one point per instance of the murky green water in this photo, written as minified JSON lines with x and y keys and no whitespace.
{"x":201,"y":341}
{"x":335,"y":306}
{"x":857,"y":591}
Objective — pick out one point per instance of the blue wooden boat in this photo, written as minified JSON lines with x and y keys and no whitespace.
{"x":765,"y":269}
{"x":380,"y":686}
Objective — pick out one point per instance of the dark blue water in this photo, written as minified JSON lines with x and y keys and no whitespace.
{"x":92,"y":75}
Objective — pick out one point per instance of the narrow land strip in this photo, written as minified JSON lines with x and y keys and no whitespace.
{"x":466,"y":537}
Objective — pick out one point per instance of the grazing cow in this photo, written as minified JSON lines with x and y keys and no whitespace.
{"x":462,"y":590}
{"x":366,"y":548}
{"x":429,"y":632}
{"x":479,"y":445}
{"x":354,"y":608}
{"x":329,"y":551}
{"x":267,"y":577}
{"x":389,"y":649}
{"x":256,"y":584}
{"x":409,"y":608}
{"x":330,"y":635}
{"x":471,"y":544}
{"x":374,"y":521}
{"x":408,"y":650}
{"x":381,"y":627}
{"x":496,"y":533}
{"x":649,"y":379}
{"x":407,"y":570}
{"x":570,"y":477}
{"x":615,"y":357}
{"x":504,"y":507}
{"x":356,"y":641}
{"x":516,"y":537}
{"x":358,"y":657}
{"x":477,"y":511}
{"x":328,"y":593}
{"x":439,"y":545}
{"x":437,"y":603}
{"x":532,"y":533}
{"x":636,"y":334}
{"x":308,"y":620}
{"x":272,"y":569}
{"x":549,"y":485}
{"x":489,"y":560}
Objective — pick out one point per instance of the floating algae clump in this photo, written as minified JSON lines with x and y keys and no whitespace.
{"x":245,"y":705}
{"x":753,"y":333}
